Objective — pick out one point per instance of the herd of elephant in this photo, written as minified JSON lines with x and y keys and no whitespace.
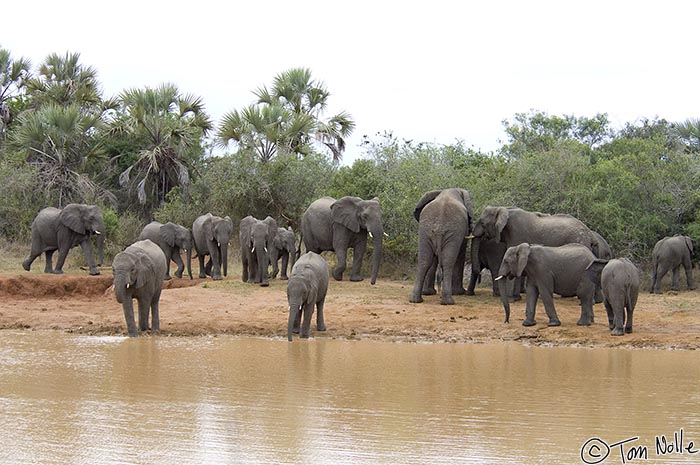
{"x":551,"y":253}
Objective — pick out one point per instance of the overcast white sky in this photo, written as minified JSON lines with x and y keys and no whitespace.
{"x":435,"y":71}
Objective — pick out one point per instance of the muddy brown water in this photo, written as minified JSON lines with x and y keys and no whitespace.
{"x":69,"y":399}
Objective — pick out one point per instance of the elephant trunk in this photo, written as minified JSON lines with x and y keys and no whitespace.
{"x":377,"y":238}
{"x":224,"y":257}
{"x":120,"y":290}
{"x":293,"y":312}
{"x":503,"y":289}
{"x":474,"y":253}
{"x":100,"y":248}
{"x":292,"y":259}
{"x":189,"y":262}
{"x":261,"y":256}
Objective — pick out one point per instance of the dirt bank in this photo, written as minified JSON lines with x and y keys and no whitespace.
{"x":86,"y":304}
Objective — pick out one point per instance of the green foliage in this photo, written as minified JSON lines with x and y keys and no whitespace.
{"x":21,"y":198}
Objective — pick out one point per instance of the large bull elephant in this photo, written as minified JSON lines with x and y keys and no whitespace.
{"x":514,"y":226}
{"x":669,"y":254}
{"x":55,"y":229}
{"x":256,"y":237}
{"x":211,"y":237}
{"x":171,"y":238}
{"x":337,"y":225}
{"x":444,"y":221}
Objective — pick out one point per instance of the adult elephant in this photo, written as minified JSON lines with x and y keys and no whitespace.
{"x":172,"y":239}
{"x":669,"y":254}
{"x":139,"y":272}
{"x":62,"y":229}
{"x":284,"y":248}
{"x":211,"y":236}
{"x":514,"y":226}
{"x":337,"y":225}
{"x":444,"y":221}
{"x":256,"y":237}
{"x":601,"y":249}
{"x":485,"y":255}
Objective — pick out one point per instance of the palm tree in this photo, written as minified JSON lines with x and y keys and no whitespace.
{"x":689,"y":133}
{"x":287,"y":118}
{"x":60,"y":143}
{"x":171,"y":127}
{"x":13,"y":77}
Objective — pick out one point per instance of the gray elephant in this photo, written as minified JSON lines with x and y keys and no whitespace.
{"x":619,"y":280}
{"x":669,"y":254}
{"x":62,"y":229}
{"x":307,"y":286}
{"x":601,"y":249}
{"x":172,"y":239}
{"x":283,"y":248}
{"x":444,"y":221}
{"x":211,"y":236}
{"x":550,"y":270}
{"x":514,"y":226}
{"x":256,"y":237}
{"x":337,"y":225}
{"x":139,"y":272}
{"x":485,"y":255}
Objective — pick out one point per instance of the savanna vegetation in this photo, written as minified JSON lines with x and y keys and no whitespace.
{"x":155,"y":153}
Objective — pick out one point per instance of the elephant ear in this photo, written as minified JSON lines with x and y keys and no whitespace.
{"x":467,"y":201}
{"x":425,"y":200}
{"x":144,"y":267}
{"x":501,"y":222}
{"x":594,"y":270}
{"x":523,"y":255}
{"x":208,"y":228}
{"x":72,"y":217}
{"x":272,"y":229}
{"x":167,"y":232}
{"x":689,"y":244}
{"x":345,"y":212}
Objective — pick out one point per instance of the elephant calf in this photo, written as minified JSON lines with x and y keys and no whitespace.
{"x":619,"y":281}
{"x":284,"y":248}
{"x":139,"y":272}
{"x":550,"y":270}
{"x":307,"y":286}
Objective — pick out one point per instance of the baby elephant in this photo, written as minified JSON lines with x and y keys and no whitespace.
{"x":550,"y":270}
{"x":139,"y":272}
{"x":619,"y":280}
{"x":307,"y":286}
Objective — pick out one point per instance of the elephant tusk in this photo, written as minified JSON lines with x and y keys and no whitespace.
{"x":371,"y":235}
{"x":97,"y":232}
{"x":218,"y":244}
{"x":252,"y":250}
{"x":265,"y":249}
{"x":471,"y":236}
{"x":386,"y":235}
{"x":499,"y":278}
{"x":127,"y":285}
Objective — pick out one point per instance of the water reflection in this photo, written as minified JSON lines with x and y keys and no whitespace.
{"x":73,"y":399}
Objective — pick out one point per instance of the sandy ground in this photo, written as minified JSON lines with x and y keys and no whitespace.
{"x":86,"y":304}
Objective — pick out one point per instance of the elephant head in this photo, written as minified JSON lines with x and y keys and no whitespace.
{"x":85,"y":220}
{"x":512,"y":266}
{"x":491,"y":223}
{"x":218,"y":232}
{"x":131,"y":268}
{"x":260,"y":240}
{"x":357,"y":214}
{"x":180,"y":237}
{"x":301,"y":291}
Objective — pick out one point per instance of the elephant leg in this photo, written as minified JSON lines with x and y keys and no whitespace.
{"x":144,"y":307}
{"x":618,"y":318}
{"x":215,"y":263}
{"x":429,"y":282}
{"x":202,"y":267}
{"x":245,"y":276}
{"x":530,"y":303}
{"x":676,"y":279}
{"x":306,"y":324}
{"x":175,"y":254}
{"x":60,"y":260}
{"x":688,"y":266}
{"x":86,"y":245}
{"x":458,"y":273}
{"x":320,"y":323}
{"x":35,"y":252}
{"x":48,"y":267}
{"x":358,"y":254}
{"x":660,"y":270}
{"x":611,"y":313}
{"x":449,"y":261}
{"x":586,"y":294}
{"x":128,"y":307}
{"x":628,"y":321}
{"x":548,"y":302}
{"x":208,"y":266}
{"x":425,"y":260}
{"x":155,"y":313}
{"x":341,"y":255}
{"x":285,"y":264}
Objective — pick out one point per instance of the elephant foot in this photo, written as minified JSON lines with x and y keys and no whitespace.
{"x":459,"y":291}
{"x":337,"y":275}
{"x":265,"y":284}
{"x":26,"y":265}
{"x":320,"y":328}
{"x":554,"y":323}
{"x":94,"y":272}
{"x":284,"y":277}
{"x":529,"y":322}
{"x":303,"y":336}
{"x":447,"y":300}
{"x":469,"y":292}
{"x":415,"y":299}
{"x":217,"y":277}
{"x":429,"y":292}
{"x":202,"y":275}
{"x":178,"y":274}
{"x":617,"y":332}
{"x":692,"y":288}
{"x":133,"y":334}
{"x":57,"y":272}
{"x":584,"y":322}
{"x":356,"y":278}
{"x":657,"y":291}
{"x":628,"y":330}
{"x":167,"y":277}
